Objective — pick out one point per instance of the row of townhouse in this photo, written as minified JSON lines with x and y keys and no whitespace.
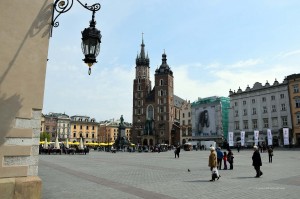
{"x":260,"y":108}
{"x":76,"y":127}
{"x":270,"y":106}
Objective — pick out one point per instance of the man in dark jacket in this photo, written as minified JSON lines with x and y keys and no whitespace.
{"x":219,"y":158}
{"x":257,"y":162}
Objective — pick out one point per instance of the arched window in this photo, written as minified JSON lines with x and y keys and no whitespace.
{"x":161,"y":82}
{"x":150,"y":112}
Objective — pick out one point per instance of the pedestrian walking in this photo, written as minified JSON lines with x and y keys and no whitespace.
{"x":177,"y":151}
{"x":212,"y":163}
{"x":225,"y":160}
{"x":270,"y":152}
{"x":230,"y":158}
{"x":257,"y":162}
{"x":238,"y":148}
{"x":219,"y":158}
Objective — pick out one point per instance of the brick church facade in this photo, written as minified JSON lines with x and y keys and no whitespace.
{"x":154,"y":120}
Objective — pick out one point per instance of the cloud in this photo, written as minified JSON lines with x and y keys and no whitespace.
{"x":246,"y":63}
{"x":288,"y":54}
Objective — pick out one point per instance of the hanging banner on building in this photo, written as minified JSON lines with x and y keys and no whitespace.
{"x":286,"y":136}
{"x":256,"y":135}
{"x":270,"y":137}
{"x":242,"y":138}
{"x":230,"y":138}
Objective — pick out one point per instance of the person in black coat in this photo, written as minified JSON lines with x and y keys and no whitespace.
{"x":177,"y":151}
{"x":257,"y":162}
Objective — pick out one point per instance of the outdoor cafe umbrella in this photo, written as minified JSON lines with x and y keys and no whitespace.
{"x":57,"y":143}
{"x":45,"y":144}
{"x":67,"y":143}
{"x":81,"y":144}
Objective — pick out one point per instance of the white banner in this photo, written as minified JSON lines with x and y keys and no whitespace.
{"x":230,"y":138}
{"x":256,"y":135}
{"x":242,"y":138}
{"x":270,"y":137}
{"x":286,"y":136}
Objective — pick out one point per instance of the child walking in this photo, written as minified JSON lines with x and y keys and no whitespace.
{"x":225,"y":160}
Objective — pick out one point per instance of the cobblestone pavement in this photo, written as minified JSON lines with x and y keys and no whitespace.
{"x":159,"y":175}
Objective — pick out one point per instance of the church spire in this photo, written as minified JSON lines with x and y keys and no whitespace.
{"x":142,"y":60}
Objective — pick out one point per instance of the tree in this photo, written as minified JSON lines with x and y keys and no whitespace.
{"x":44,"y":135}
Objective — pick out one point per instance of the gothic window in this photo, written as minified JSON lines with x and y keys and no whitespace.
{"x":150,"y":114}
{"x":161,"y":82}
{"x":139,"y":80}
{"x":139,"y":87}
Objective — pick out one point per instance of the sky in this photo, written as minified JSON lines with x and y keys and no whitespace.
{"x":212,"y":46}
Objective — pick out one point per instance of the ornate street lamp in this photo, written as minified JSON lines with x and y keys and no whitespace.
{"x":91,"y":36}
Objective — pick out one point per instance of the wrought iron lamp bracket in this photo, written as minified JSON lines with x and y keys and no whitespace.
{"x":63,"y":6}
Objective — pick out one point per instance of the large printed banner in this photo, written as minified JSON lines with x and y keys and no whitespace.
{"x":286,"y":136}
{"x":230,"y":138}
{"x":242,"y":138}
{"x":270,"y":137}
{"x":256,"y":135}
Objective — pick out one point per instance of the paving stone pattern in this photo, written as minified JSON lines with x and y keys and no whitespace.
{"x":123,"y":175}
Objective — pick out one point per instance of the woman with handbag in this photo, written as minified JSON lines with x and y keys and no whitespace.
{"x":212,"y":163}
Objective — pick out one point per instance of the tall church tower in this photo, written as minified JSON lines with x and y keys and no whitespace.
{"x":164,"y":91}
{"x":153,"y":109}
{"x":141,"y":90}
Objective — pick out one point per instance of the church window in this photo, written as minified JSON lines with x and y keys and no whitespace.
{"x":150,"y":114}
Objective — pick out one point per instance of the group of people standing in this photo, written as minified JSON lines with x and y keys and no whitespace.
{"x":215,"y":161}
{"x":217,"y":156}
